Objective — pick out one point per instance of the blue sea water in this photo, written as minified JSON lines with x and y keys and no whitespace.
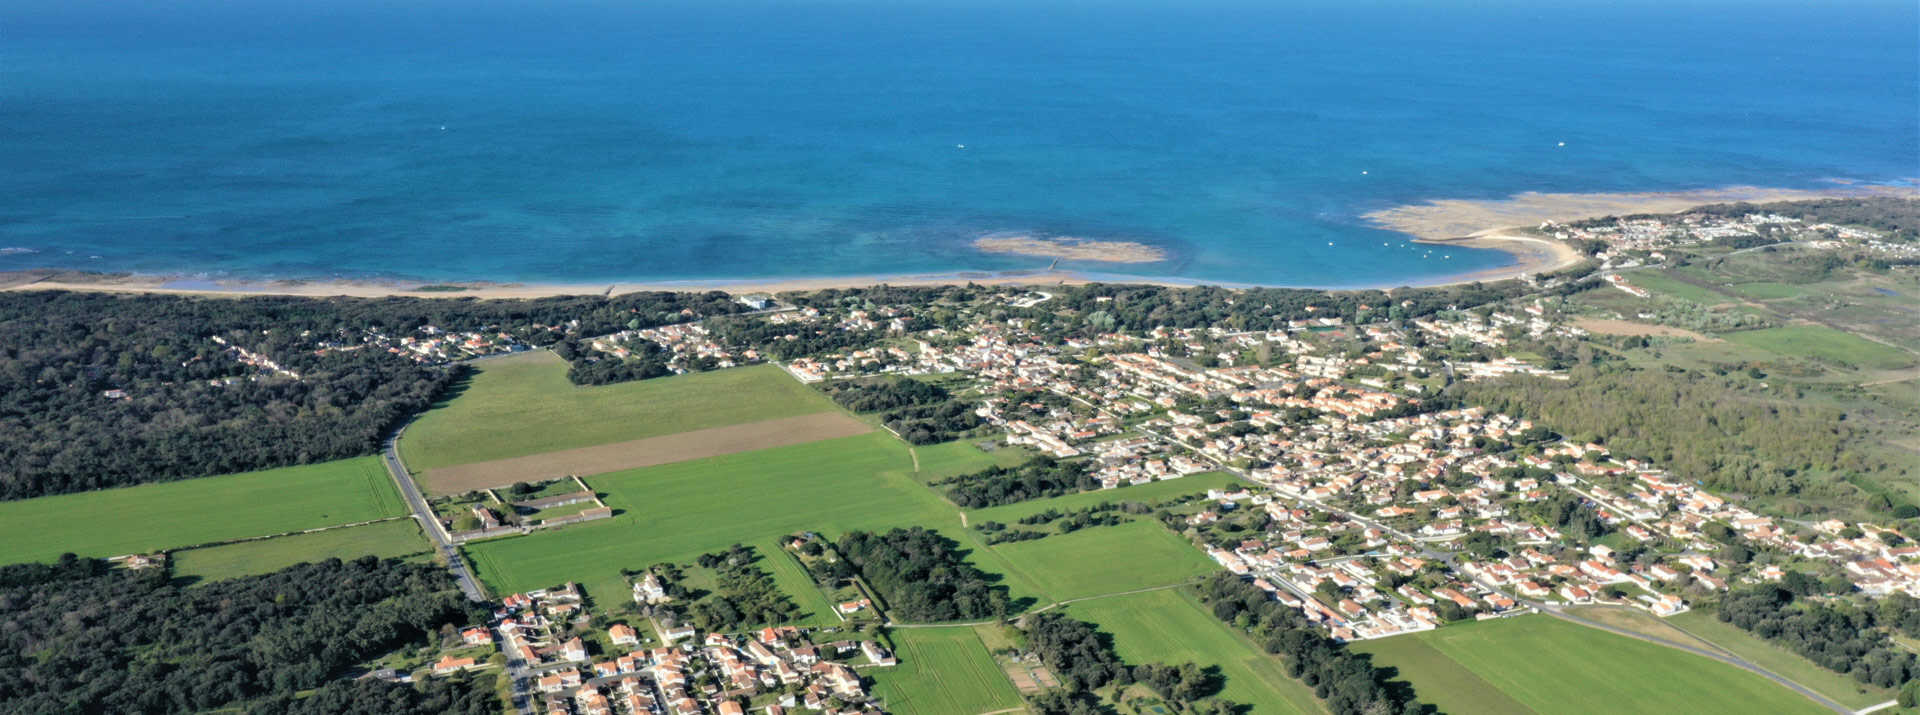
{"x":600,"y":141}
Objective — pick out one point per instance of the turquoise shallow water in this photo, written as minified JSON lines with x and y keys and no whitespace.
{"x":604,"y":141}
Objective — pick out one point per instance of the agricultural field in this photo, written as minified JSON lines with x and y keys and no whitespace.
{"x":1659,"y":282}
{"x":1146,"y":493}
{"x":386,"y":539}
{"x":634,"y":454}
{"x":1171,"y":627}
{"x":524,"y":405}
{"x":677,"y":511}
{"x":943,"y":671}
{"x":1824,"y":343}
{"x":168,"y":515}
{"x":1552,"y":666}
{"x":1841,"y":688}
{"x":1107,"y":559}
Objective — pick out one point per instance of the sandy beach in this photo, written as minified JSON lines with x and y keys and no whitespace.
{"x":1496,"y":224}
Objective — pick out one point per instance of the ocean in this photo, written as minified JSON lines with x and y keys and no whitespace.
{"x":581,"y":142}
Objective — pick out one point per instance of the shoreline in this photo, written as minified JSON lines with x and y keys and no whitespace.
{"x":1492,"y":224}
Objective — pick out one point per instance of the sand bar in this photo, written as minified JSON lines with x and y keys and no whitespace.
{"x":1076,"y":249}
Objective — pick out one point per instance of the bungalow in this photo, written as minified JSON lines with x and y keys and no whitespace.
{"x":450,"y":664}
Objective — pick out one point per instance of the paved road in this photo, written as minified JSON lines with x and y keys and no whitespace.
{"x":518,"y":673}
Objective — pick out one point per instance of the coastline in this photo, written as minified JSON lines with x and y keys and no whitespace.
{"x":1494,"y":224}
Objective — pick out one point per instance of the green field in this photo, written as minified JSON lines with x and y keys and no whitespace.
{"x":1841,"y":688}
{"x":396,"y":538}
{"x":189,"y":512}
{"x":1107,"y":559}
{"x":1171,"y":627}
{"x":793,"y":580}
{"x":939,"y":461}
{"x":942,"y":671}
{"x":1148,"y":493}
{"x":1767,"y":290}
{"x":675,"y":512}
{"x":1552,"y":666}
{"x":1664,"y":284}
{"x":524,"y":405}
{"x":1819,"y":341}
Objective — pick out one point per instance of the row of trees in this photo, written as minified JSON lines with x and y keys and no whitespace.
{"x":920,"y":574}
{"x":1084,"y":660}
{"x":1840,"y":639}
{"x":78,"y":637}
{"x":746,"y":594}
{"x":1347,"y":681}
{"x":1038,"y":478}
{"x":100,"y":390}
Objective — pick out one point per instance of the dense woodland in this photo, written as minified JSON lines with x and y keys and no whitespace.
{"x":1347,"y":681}
{"x":1702,"y":425}
{"x":78,"y":637}
{"x":1084,"y":660}
{"x":920,"y":574}
{"x":791,"y":340}
{"x":1837,"y":637}
{"x":920,"y":412}
{"x":1038,"y":478}
{"x":61,"y":352}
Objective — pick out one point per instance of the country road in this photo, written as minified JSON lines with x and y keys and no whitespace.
{"x":518,"y":673}
{"x":1556,"y":612}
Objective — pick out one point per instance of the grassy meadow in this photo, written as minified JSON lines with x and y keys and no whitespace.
{"x":943,"y":671}
{"x":386,"y":539}
{"x":1552,"y":666}
{"x":1840,"y":687}
{"x":677,"y":511}
{"x":524,"y":405}
{"x":167,"y":515}
{"x":1824,"y":343}
{"x":1107,"y":559}
{"x":1172,"y":627}
{"x":1148,"y":493}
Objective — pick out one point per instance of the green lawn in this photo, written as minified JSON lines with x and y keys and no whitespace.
{"x":793,"y":580}
{"x":1148,"y":493}
{"x":1444,"y":683}
{"x":1841,"y":688}
{"x":1171,"y":627}
{"x":400,"y":537}
{"x":1107,"y":559}
{"x":524,"y":405}
{"x":1819,"y":341}
{"x":1664,"y":284}
{"x":1766,"y":290}
{"x":942,"y":671}
{"x":675,"y":512}
{"x":939,"y":461}
{"x":150,"y":517}
{"x":1552,"y":666}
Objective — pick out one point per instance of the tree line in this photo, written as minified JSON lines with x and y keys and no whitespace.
{"x":1348,"y":682}
{"x":920,"y":412}
{"x":1840,"y":639}
{"x":1085,"y":661}
{"x":76,"y":636}
{"x":920,"y":574}
{"x":1039,"y":478}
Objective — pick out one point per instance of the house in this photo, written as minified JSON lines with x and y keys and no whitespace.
{"x":852,"y":606}
{"x":623,"y":634}
{"x":650,"y":591}
{"x":573,"y":649}
{"x":449,"y":664}
{"x":477,"y":636}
